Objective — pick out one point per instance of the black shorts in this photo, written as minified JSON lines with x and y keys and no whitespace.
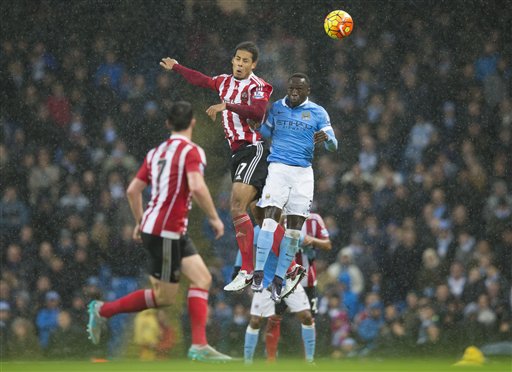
{"x":166,"y":255}
{"x":311,"y":293}
{"x":249,"y":165}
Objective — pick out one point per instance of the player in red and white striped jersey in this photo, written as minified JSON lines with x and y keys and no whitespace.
{"x":244,"y":96}
{"x":174,"y":170}
{"x":314,"y":235}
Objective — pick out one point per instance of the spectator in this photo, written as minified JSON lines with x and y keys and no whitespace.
{"x":59,"y":106}
{"x":457,"y":279}
{"x":146,"y":334}
{"x":13,"y":214}
{"x":47,"y":318}
{"x":5,"y":325}
{"x":23,"y":343}
{"x":345,"y":265}
{"x":430,"y":274}
{"x":465,"y":248}
{"x":110,"y":70}
{"x":66,"y":340}
{"x":370,"y":327}
{"x":74,"y":200}
{"x":44,"y":178}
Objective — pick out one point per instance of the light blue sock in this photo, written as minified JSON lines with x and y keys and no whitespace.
{"x":309,"y":340}
{"x":251,"y":340}
{"x":257,"y":230}
{"x":287,"y":250}
{"x":238,"y":259}
{"x":265,"y":240}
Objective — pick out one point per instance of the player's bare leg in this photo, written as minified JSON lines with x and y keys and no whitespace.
{"x":241,"y":197}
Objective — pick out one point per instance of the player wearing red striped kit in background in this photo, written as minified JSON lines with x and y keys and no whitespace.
{"x":314,"y":235}
{"x":244,"y":96}
{"x":174,"y":170}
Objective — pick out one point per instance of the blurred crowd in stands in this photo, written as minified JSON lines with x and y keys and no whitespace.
{"x":417,"y":201}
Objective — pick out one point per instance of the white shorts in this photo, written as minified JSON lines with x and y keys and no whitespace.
{"x":288,"y":188}
{"x":263,"y":306}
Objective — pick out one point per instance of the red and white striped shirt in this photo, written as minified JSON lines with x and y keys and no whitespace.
{"x":165,"y":168}
{"x":248,"y":96}
{"x":241,"y":92}
{"x":314,"y":226}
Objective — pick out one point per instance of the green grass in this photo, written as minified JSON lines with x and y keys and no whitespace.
{"x":413,"y":365}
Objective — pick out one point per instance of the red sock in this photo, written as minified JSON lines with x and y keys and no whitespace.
{"x":245,"y":238}
{"x":278,"y":237}
{"x":198,"y":313}
{"x":272,"y":334}
{"x":132,"y":302}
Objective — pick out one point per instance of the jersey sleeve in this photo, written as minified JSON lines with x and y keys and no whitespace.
{"x":269,"y":121}
{"x":195,"y":77}
{"x":324,"y":121}
{"x":321,"y":231}
{"x":261,"y":93}
{"x":324,"y":124}
{"x":144,"y":173}
{"x":195,"y":161}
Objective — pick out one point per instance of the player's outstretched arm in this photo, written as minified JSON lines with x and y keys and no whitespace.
{"x":134,"y":195}
{"x":202,"y":197}
{"x":192,"y":76}
{"x":258,"y":106}
{"x":255,"y":111}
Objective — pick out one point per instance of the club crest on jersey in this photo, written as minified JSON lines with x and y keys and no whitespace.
{"x":306,"y":115}
{"x":244,"y":97}
{"x":259,"y":94}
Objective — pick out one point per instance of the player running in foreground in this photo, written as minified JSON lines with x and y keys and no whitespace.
{"x":174,"y":170}
{"x":263,"y":307}
{"x":314,"y":235}
{"x":244,"y":97}
{"x":295,"y":125}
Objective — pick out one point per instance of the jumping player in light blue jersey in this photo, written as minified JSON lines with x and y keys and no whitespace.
{"x":295,"y":126}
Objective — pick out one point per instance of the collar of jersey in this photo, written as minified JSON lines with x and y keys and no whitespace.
{"x":247,"y":78}
{"x":179,"y":136}
{"x":302,"y":104}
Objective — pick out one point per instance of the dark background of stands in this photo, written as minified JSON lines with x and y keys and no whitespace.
{"x":417,"y":200}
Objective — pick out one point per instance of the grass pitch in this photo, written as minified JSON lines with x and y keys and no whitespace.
{"x":295,"y":365}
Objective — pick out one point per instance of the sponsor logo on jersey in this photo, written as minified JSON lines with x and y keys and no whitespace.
{"x":293,"y":125}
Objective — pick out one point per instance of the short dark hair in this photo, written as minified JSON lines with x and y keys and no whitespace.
{"x":300,"y":75}
{"x":250,"y":47}
{"x":180,"y":115}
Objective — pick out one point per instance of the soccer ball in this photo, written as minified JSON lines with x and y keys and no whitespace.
{"x":338,"y":24}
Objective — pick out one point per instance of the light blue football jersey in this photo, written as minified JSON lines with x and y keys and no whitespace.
{"x":292,"y":131}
